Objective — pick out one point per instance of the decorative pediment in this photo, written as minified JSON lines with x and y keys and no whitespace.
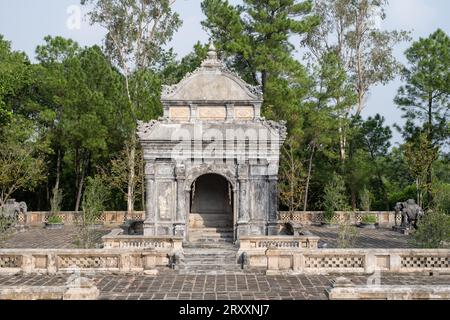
{"x":212,"y":81}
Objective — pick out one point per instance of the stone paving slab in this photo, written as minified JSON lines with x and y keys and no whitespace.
{"x":38,"y":237}
{"x":367,"y":238}
{"x":169,"y":285}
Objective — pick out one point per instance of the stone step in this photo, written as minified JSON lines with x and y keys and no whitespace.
{"x":210,"y":220}
{"x":227,"y":245}
{"x":211,"y":230}
{"x":212,"y":236}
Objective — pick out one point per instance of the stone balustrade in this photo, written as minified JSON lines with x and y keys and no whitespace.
{"x":115,"y":239}
{"x":384,"y":218}
{"x":279,"y":242}
{"x":71,"y":217}
{"x":70,"y":260}
{"x":325,"y":261}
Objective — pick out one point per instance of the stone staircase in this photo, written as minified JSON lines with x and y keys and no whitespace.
{"x":210,"y":258}
{"x":211,"y":235}
{"x":210,"y":228}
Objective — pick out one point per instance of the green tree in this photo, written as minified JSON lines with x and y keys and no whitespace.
{"x":376,"y":141}
{"x":334,"y":197}
{"x":420,"y":155}
{"x":14,"y":79}
{"x":322,"y":114}
{"x":136,"y":31}
{"x":425,"y":96}
{"x":349,"y":27}
{"x":21,"y":168}
{"x":254,"y":39}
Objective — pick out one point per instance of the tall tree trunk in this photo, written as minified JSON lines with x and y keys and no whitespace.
{"x":430,"y":140}
{"x":58,"y":168}
{"x":131,"y":175}
{"x":354,"y":199}
{"x":263,"y":80}
{"x":84,"y":165}
{"x":308,"y":178}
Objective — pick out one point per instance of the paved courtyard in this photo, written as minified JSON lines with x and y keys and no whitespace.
{"x":169,"y":285}
{"x":38,"y":237}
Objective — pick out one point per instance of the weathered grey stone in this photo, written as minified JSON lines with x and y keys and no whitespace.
{"x":212,"y":155}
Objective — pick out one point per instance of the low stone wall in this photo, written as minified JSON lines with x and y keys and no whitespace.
{"x":390,"y":292}
{"x":115,"y":239}
{"x":384,"y":218}
{"x":323,"y":261}
{"x":70,"y":260}
{"x":78,"y":288}
{"x":70,"y":217}
{"x":279,"y":242}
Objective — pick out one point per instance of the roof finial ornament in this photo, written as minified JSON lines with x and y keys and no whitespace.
{"x":212,"y":53}
{"x":211,"y":61}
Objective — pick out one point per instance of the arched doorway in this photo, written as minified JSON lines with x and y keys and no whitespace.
{"x":211,"y":209}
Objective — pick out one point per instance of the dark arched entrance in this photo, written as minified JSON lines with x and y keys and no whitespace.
{"x":211,"y":209}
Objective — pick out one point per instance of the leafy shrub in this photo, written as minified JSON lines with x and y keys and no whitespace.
{"x":347,"y":234}
{"x":334,"y":198}
{"x":366,"y":199}
{"x":55,"y":201}
{"x":369,"y":219}
{"x":433,"y":230}
{"x":95,"y":196}
{"x":54,"y":219}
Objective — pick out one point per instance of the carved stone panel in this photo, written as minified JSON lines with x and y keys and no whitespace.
{"x":259,"y":196}
{"x":165,"y":200}
{"x":179,"y":113}
{"x":212,"y":113}
{"x":244,"y":113}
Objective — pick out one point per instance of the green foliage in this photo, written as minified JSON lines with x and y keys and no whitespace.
{"x":94,"y":200}
{"x":254,"y":39}
{"x":20,"y":167}
{"x":425,"y":95}
{"x":347,"y":233}
{"x":54,"y":219}
{"x":334,"y":198}
{"x":420,"y":155}
{"x":366,"y":200}
{"x":369,"y":219}
{"x":441,"y":199}
{"x":14,"y":80}
{"x":349,"y":28}
{"x":55,"y":201}
{"x":291,"y":185}
{"x":433,"y":230}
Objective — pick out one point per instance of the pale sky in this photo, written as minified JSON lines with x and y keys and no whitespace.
{"x":26,"y":22}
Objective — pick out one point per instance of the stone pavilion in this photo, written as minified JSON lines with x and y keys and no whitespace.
{"x":211,"y":161}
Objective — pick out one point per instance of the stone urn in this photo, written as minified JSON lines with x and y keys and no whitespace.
{"x":54,"y":222}
{"x":368,"y":221}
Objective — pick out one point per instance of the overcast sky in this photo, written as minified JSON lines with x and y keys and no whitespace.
{"x":26,"y":22}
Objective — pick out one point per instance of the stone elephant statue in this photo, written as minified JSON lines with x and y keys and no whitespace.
{"x":11,"y":209}
{"x":411,"y":213}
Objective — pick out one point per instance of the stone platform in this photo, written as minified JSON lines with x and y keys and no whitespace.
{"x":38,"y":237}
{"x":171,"y":285}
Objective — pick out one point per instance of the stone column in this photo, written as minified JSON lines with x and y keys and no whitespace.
{"x":272,"y":219}
{"x":180,"y":220}
{"x":193,"y":109}
{"x":244,"y":202}
{"x":230,"y":112}
{"x":150,"y":205}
